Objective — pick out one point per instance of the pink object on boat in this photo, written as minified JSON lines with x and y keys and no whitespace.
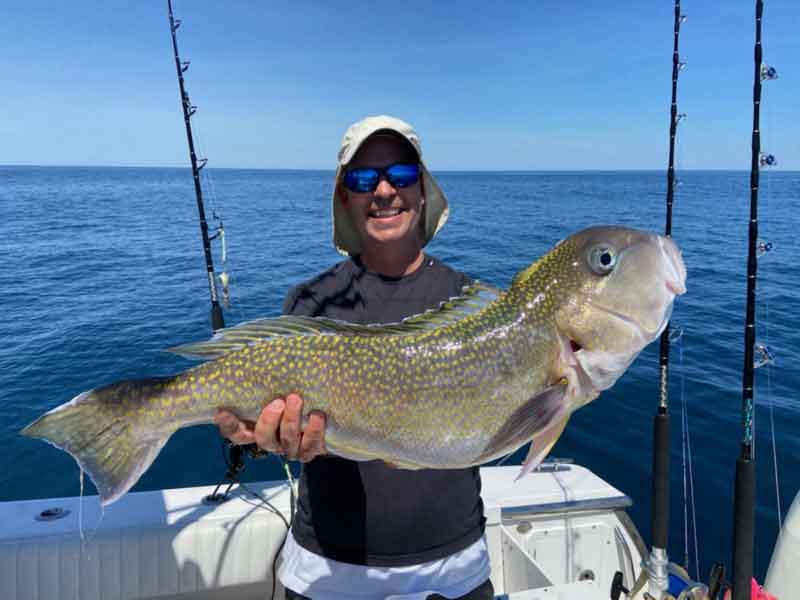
{"x":756,"y":592}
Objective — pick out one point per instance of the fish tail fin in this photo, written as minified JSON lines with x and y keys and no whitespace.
{"x":98,"y":430}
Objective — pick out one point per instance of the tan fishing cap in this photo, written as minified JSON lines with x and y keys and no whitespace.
{"x":435,"y":211}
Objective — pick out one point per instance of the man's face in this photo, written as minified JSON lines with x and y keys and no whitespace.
{"x":387,"y":214}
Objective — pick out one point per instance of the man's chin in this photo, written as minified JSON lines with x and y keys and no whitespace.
{"x":388,"y":230}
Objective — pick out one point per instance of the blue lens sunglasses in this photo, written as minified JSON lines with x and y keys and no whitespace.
{"x":366,"y":179}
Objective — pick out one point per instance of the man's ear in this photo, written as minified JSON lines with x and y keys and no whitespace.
{"x":341,"y":193}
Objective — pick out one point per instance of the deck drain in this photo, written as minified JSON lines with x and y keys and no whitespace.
{"x":51,"y":514}
{"x":524,"y":527}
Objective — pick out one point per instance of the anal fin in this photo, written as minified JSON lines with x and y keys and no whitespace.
{"x":541,"y":445}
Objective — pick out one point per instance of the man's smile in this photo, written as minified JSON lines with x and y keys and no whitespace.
{"x":385,"y":213}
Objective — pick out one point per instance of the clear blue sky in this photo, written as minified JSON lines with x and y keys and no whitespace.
{"x":505,"y":85}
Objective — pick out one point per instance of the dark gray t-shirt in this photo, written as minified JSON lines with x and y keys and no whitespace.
{"x":366,"y":512}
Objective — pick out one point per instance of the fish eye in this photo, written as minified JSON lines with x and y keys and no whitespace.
{"x":602,"y":259}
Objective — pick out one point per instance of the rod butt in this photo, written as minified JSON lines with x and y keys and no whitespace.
{"x":217,"y":321}
{"x":661,"y":449}
{"x":743,"y":527}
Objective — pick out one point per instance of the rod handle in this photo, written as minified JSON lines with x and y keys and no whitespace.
{"x":217,"y":321}
{"x":743,"y":527}
{"x":661,"y":478}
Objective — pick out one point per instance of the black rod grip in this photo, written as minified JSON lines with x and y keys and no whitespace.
{"x":217,"y":320}
{"x":661,"y":455}
{"x":744,"y":502}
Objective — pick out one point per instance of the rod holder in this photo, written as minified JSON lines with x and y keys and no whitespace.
{"x":657,"y":574}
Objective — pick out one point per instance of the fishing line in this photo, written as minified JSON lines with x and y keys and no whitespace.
{"x":764,"y":248}
{"x":219,"y":227}
{"x":677,"y":338}
{"x":687,"y":461}
{"x":288,"y":523}
{"x":205,"y":174}
{"x":86,"y":539}
{"x":80,"y":504}
{"x":683,"y":464}
{"x":267,"y":505}
{"x":688,"y":436}
{"x":771,"y":405}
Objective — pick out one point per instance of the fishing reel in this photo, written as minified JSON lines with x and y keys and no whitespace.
{"x":234,"y":455}
{"x":679,"y":586}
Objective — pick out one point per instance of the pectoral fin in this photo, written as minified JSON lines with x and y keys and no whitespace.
{"x":541,"y":444}
{"x":541,"y":417}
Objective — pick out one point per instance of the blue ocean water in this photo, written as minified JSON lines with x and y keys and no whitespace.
{"x":103,"y":269}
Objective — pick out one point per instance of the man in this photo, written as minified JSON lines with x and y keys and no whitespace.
{"x":365,"y":529}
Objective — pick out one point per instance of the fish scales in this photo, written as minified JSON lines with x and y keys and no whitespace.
{"x":451,"y":388}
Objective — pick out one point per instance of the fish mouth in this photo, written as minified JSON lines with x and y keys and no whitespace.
{"x":647,"y":335}
{"x":594,"y":369}
{"x":675,"y":270}
{"x":580,"y":387}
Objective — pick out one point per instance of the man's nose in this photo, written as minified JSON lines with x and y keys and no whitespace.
{"x":385,"y":189}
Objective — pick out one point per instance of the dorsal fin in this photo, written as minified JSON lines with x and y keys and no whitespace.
{"x":473,"y":299}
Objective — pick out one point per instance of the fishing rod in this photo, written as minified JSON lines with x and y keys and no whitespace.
{"x":217,"y":320}
{"x":745,"y":491}
{"x":662,"y":428}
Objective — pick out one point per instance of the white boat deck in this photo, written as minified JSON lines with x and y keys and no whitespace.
{"x":558,"y":533}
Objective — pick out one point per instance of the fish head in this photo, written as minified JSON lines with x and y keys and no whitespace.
{"x":616,"y":286}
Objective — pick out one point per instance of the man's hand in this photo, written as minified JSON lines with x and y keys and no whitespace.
{"x":279,"y":429}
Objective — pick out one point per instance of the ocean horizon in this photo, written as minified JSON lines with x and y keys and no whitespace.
{"x":332,"y":170}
